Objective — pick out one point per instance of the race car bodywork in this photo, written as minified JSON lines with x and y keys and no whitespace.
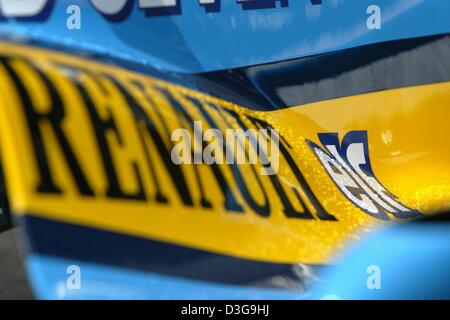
{"x":355,"y":108}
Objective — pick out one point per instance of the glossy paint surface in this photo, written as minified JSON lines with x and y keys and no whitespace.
{"x":110,"y":201}
{"x":399,"y":142}
{"x":187,"y":41}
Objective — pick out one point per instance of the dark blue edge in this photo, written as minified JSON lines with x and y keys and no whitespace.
{"x":256,"y":87}
{"x":70,"y":241}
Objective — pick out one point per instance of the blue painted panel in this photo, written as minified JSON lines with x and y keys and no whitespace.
{"x":49,"y":277}
{"x":194,"y":40}
{"x":409,"y":261}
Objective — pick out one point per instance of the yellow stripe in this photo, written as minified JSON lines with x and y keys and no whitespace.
{"x":407,"y":143}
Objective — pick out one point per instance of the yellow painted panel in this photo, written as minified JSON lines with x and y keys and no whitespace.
{"x":88,"y":143}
